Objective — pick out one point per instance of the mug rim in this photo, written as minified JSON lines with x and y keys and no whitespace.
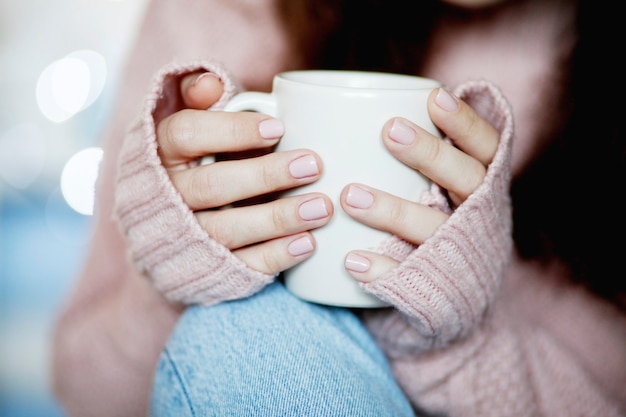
{"x":357,"y":80}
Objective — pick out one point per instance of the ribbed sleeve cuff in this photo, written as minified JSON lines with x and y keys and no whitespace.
{"x":447,"y":284}
{"x":165,"y":242}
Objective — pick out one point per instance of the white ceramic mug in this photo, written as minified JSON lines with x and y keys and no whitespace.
{"x":340,"y":115}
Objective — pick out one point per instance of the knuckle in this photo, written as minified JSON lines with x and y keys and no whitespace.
{"x":179,"y":129}
{"x":196,"y":184}
{"x":473,"y":123}
{"x":473,"y":179}
{"x":272,"y":263}
{"x":200,"y":187}
{"x":240,"y":130}
{"x":269,"y":177}
{"x":432,"y":150}
{"x":479,"y":176}
{"x":399,"y":214}
{"x":280,"y":219}
{"x":219,"y":230}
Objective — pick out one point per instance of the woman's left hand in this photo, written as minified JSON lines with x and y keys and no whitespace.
{"x":459,"y":167}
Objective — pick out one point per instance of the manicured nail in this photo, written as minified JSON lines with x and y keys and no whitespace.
{"x":446,"y":100}
{"x":300,"y":246}
{"x":313,"y":209}
{"x":305,"y":166}
{"x":271,"y":128}
{"x":203,"y":76}
{"x":402,"y":133}
{"x":357,"y":263}
{"x":359,"y":197}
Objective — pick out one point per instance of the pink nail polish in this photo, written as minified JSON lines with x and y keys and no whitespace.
{"x":202,"y":76}
{"x":446,"y":100}
{"x":271,"y":129}
{"x":305,"y":166}
{"x":300,"y":246}
{"x":313,"y":209}
{"x":357,"y":263}
{"x":402,"y":133}
{"x":359,"y":197}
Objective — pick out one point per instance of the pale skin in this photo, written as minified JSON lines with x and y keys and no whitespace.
{"x":272,"y":236}
{"x":265,"y":235}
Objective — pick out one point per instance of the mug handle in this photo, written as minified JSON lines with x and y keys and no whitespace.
{"x":252,"y":101}
{"x":247,"y":101}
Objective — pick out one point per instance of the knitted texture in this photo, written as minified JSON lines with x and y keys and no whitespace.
{"x":446,"y":285}
{"x":452,"y":340}
{"x":454,"y":344}
{"x":165,"y":242}
{"x":463,"y":341}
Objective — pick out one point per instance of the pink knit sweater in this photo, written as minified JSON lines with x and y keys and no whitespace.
{"x":473,"y":331}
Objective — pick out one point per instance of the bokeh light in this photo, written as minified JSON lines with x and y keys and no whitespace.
{"x":22,"y":155}
{"x":78,"y":179}
{"x":61,"y":62}
{"x":70,"y":84}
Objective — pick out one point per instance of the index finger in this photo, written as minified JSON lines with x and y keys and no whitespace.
{"x":465,"y":128}
{"x":190,"y":134}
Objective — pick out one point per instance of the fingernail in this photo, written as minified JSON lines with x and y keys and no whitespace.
{"x":203,"y":76}
{"x":305,"y":166}
{"x":446,"y":100}
{"x":357,"y":263}
{"x":359,"y":198}
{"x":402,"y":133}
{"x":271,"y":128}
{"x":313,"y":209}
{"x":300,"y":246}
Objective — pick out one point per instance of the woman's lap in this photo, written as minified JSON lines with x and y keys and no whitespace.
{"x":273,"y":354}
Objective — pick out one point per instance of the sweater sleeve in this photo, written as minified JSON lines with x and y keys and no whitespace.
{"x":458,"y":342}
{"x":165,"y":242}
{"x":447,"y":285}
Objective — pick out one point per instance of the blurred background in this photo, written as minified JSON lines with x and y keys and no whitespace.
{"x":59,"y":65}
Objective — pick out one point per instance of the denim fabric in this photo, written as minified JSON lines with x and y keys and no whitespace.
{"x":274,"y":355}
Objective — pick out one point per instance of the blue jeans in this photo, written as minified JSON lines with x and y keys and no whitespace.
{"x":274,"y":355}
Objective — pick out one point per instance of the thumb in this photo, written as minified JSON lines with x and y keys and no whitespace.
{"x":201,"y":90}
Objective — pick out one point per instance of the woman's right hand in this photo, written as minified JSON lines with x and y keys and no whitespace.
{"x":269,"y":236}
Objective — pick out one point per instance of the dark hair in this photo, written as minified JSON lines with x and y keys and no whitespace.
{"x":369,"y":35}
{"x":566,"y":204}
